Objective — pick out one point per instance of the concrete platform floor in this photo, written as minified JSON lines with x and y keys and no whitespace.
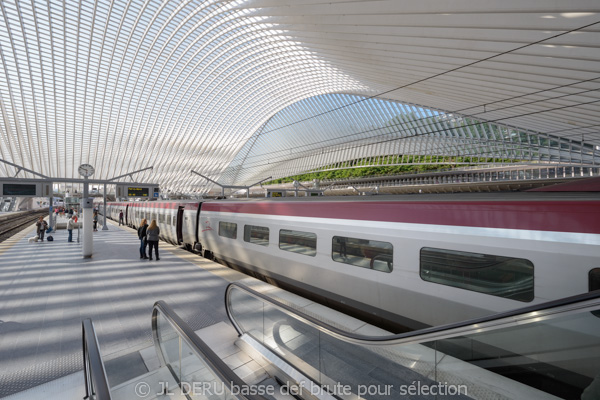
{"x":47,"y":289}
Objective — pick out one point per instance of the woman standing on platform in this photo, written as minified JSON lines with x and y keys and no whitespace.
{"x":95,"y":221}
{"x":152,"y":234}
{"x":142,"y":236}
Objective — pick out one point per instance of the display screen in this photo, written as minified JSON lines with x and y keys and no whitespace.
{"x":137,"y":192}
{"x":18,"y":189}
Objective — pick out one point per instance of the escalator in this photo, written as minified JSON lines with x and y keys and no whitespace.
{"x":194,"y":369}
{"x":544,"y":351}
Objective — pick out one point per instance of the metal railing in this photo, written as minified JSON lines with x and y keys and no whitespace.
{"x":96,"y":382}
{"x":190,"y":360}
{"x":558,"y":336}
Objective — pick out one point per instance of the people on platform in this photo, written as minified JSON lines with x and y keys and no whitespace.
{"x":95,"y":221}
{"x":70,"y":226}
{"x":142,"y":235}
{"x":152,"y":233}
{"x":121,"y":218}
{"x":41,"y":225}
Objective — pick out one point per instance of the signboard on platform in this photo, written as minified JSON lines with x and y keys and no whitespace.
{"x":275,"y":193}
{"x":137,"y":191}
{"x":25,"y":189}
{"x":71,"y":200}
{"x":19,"y":189}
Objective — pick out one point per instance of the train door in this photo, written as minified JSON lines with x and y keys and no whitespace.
{"x":127,"y":215}
{"x":180,"y":224}
{"x":197,"y":245}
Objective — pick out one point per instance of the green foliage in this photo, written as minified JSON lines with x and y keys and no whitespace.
{"x":352,"y":169}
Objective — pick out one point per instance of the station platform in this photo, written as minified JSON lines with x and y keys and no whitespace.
{"x":48,"y":288}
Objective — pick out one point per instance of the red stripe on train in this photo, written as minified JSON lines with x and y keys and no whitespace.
{"x":560,"y":216}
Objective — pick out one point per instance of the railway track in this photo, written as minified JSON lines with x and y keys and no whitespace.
{"x":13,"y":223}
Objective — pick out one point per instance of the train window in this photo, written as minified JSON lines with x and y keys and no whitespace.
{"x":594,"y":279}
{"x":228,"y":229}
{"x":174,"y":220}
{"x":364,"y":253}
{"x":168,"y":220}
{"x":507,"y":277}
{"x":256,"y":234}
{"x":161,"y":218}
{"x":298,"y":242}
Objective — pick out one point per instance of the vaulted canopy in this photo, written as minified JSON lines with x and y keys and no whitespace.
{"x":244,"y":89}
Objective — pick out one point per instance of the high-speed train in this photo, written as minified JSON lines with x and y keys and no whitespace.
{"x":411,"y":261}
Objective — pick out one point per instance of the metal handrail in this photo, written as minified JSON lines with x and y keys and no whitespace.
{"x":198,"y":346}
{"x":96,"y":382}
{"x":538,"y":312}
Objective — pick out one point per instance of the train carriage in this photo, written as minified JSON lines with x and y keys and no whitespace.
{"x":413,"y":261}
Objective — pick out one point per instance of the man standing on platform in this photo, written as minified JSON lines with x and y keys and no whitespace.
{"x":121,"y":218}
{"x":70,"y":226}
{"x":42,"y":225}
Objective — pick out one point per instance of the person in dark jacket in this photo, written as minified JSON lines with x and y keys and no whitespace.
{"x":95,"y":219}
{"x":152,"y":234}
{"x":41,"y":228}
{"x":142,"y":236}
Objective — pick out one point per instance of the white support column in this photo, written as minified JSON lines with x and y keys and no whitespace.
{"x":104,"y":226}
{"x":51,"y":212}
{"x":88,"y":233}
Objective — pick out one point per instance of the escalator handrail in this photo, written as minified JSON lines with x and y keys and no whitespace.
{"x":91,"y":354}
{"x":503,"y":319}
{"x":202,"y":350}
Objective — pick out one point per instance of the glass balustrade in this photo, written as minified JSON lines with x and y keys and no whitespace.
{"x":536,"y":354}
{"x":200,"y":374}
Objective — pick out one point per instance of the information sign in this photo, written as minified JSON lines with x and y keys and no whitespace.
{"x":275,"y":193}
{"x":137,"y":191}
{"x":25,"y":189}
{"x":19,"y":189}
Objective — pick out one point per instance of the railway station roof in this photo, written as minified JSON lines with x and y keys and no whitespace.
{"x":240,"y":90}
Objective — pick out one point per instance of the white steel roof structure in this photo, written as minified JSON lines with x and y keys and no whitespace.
{"x":241,"y":90}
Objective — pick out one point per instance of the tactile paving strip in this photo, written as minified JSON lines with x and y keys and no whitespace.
{"x":36,"y":375}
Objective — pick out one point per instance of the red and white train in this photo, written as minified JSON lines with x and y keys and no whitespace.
{"x":415,"y":260}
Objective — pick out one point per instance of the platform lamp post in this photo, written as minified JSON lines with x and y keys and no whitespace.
{"x":86,"y":170}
